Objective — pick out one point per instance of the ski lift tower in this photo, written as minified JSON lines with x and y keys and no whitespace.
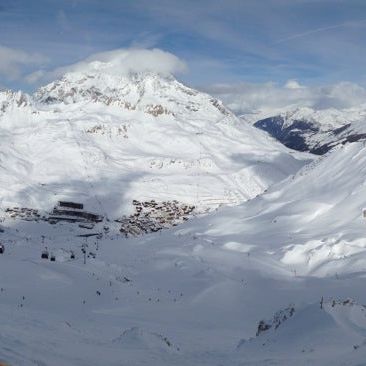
{"x":84,"y":248}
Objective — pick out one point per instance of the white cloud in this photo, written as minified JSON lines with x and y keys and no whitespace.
{"x":35,"y":76}
{"x":293,"y":84}
{"x":12,"y":61}
{"x":118,"y":62}
{"x":247,"y":97}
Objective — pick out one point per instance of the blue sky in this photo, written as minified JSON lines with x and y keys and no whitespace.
{"x":228,"y":41}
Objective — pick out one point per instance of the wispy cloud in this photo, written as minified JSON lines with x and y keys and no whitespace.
{"x":321,"y":29}
{"x":248,"y":97}
{"x":146,"y":40}
{"x":117,"y":62}
{"x":250,"y":40}
{"x":63,"y":21}
{"x":13,"y":60}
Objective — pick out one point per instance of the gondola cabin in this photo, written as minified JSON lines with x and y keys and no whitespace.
{"x":2,"y":248}
{"x":53,"y":258}
{"x":45,"y":254}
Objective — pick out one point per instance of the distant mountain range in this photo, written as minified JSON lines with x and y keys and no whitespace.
{"x":315,"y":131}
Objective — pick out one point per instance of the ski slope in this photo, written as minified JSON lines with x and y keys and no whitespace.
{"x":195,"y":294}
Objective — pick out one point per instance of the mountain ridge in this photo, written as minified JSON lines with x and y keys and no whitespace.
{"x":315,"y":131}
{"x":178,"y":142}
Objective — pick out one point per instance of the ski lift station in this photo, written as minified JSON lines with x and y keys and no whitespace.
{"x":72,"y":212}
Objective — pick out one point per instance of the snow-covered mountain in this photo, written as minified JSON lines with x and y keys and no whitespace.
{"x":315,"y":131}
{"x":106,"y":140}
{"x":264,"y":280}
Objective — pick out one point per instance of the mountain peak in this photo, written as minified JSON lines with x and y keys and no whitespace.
{"x":9,"y":98}
{"x":147,"y":91}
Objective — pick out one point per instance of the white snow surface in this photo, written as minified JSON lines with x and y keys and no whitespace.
{"x":193,"y":294}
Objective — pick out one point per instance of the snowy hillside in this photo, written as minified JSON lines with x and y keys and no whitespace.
{"x":331,"y":334}
{"x":106,"y":140}
{"x":182,"y":183}
{"x":93,"y":167}
{"x":316,"y":131}
{"x":310,"y":228}
{"x":200,"y":292}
